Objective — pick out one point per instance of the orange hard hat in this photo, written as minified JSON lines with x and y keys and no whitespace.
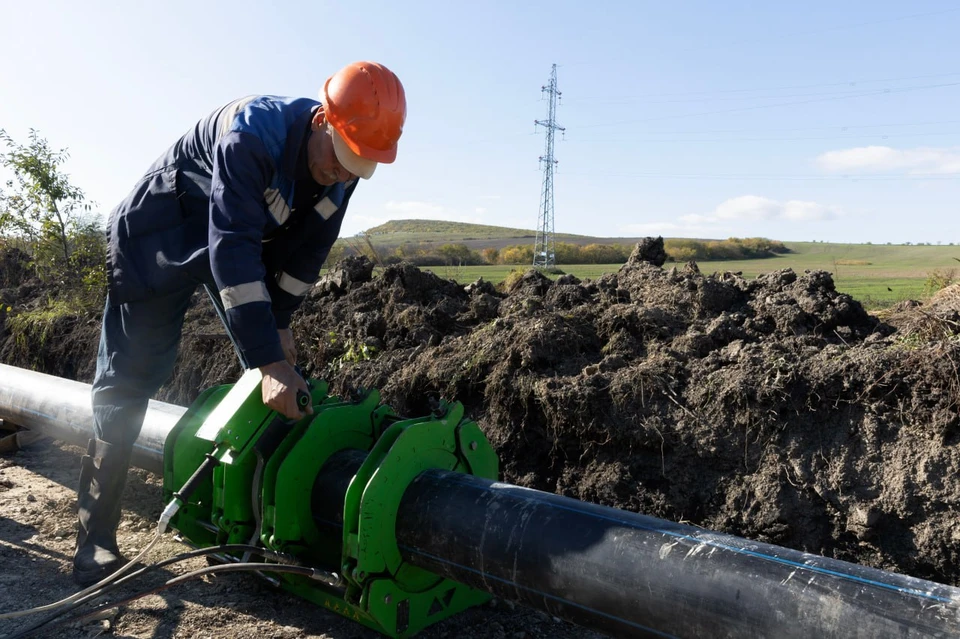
{"x":365,"y":104}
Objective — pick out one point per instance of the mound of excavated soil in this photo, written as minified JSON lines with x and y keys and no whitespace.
{"x":776,"y":409}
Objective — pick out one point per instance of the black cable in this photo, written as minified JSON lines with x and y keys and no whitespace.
{"x":331,"y":579}
{"x":281,"y":558}
{"x":705,"y":95}
{"x":769,"y":106}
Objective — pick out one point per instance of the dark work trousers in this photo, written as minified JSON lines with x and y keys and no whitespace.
{"x":138,"y":349}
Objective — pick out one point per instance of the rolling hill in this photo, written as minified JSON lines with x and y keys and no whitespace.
{"x":476,"y":236}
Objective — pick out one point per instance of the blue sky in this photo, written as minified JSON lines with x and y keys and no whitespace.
{"x":832,"y":121}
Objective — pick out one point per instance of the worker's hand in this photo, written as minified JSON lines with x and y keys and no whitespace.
{"x":280,"y":385}
{"x":288,"y":345}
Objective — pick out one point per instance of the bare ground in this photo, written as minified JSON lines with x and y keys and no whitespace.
{"x":774,"y":409}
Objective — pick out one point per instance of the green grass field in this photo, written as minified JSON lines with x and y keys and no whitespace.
{"x":875,"y":275}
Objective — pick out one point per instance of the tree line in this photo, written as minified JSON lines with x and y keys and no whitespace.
{"x":459,"y":254}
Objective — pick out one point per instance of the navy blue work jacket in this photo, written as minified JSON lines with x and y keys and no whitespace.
{"x":231,"y":205}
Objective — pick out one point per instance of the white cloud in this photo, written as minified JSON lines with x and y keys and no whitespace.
{"x":360,"y":219}
{"x":747,"y":207}
{"x":941,"y":160}
{"x":754,"y":208}
{"x":729,"y":215}
{"x":660,"y":228}
{"x":354,"y":224}
{"x":418,"y":210}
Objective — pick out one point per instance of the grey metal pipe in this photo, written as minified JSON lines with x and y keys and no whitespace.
{"x":60,"y":408}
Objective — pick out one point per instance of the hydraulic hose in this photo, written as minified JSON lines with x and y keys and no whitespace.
{"x":67,"y":601}
{"x":171,"y":509}
{"x":322,"y":576}
{"x":96,"y":593}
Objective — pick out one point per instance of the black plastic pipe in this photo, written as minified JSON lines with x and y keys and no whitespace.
{"x":629,"y":575}
{"x":618,"y":572}
{"x":635,"y":576}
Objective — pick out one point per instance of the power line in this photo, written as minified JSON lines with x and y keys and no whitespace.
{"x":769,"y":106}
{"x":844,"y":27}
{"x":864,"y":136}
{"x":874,"y":177}
{"x":842,"y":127}
{"x":840,"y":94}
{"x":487,"y":140}
{"x":782,"y":34}
{"x":642,"y":97}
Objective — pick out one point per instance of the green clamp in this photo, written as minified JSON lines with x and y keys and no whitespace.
{"x":402,"y":597}
{"x":267,"y":483}
{"x":291,"y":473}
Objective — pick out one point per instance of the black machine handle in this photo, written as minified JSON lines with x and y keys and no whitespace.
{"x":280,"y":427}
{"x":198,"y":476}
{"x":303,"y":399}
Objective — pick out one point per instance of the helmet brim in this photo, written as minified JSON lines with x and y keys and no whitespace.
{"x":359,"y":166}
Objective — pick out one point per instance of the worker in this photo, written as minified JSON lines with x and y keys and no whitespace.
{"x":248,"y":204}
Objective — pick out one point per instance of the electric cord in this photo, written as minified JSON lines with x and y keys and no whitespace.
{"x":89,"y":589}
{"x":179,"y":498}
{"x":329,"y":578}
{"x":281,"y":558}
{"x":255,"y":501}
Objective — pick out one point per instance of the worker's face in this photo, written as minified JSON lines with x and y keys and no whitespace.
{"x":324,"y":166}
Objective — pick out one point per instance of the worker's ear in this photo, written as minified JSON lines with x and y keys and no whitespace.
{"x":317,"y":120}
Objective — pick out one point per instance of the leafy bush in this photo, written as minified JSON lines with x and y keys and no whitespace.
{"x":50,"y":220}
{"x":939,"y":279}
{"x":517,"y":254}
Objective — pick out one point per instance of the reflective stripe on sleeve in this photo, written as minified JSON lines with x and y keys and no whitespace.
{"x":233,"y":296}
{"x":292,"y":285}
{"x":277,"y":205}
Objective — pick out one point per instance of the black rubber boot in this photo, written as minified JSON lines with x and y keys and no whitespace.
{"x":103,"y":473}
